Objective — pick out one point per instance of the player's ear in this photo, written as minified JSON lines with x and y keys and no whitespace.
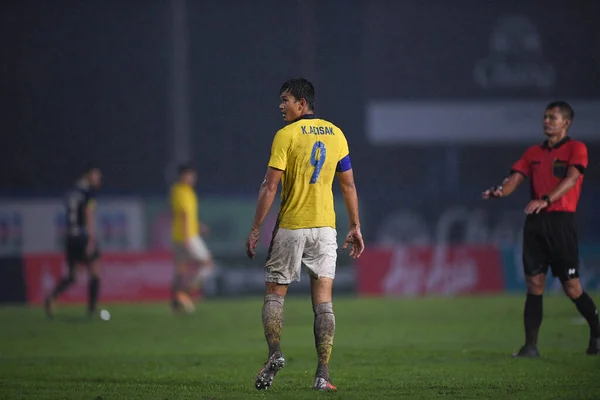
{"x":302,"y":103}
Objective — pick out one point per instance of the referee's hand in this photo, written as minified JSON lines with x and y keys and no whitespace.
{"x":492,"y":193}
{"x":535,"y":206}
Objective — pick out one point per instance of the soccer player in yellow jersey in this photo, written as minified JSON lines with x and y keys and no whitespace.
{"x":306,"y":155}
{"x":188,"y":246}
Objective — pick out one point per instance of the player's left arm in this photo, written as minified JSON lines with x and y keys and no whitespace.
{"x":575,"y":167}
{"x":90,"y":224}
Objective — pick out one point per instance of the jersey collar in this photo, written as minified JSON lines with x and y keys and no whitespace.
{"x":557,"y":145}
{"x":305,"y":116}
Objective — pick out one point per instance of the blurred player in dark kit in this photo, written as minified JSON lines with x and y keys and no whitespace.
{"x":81,"y":244}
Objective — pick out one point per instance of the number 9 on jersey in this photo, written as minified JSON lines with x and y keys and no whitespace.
{"x":319,"y":151}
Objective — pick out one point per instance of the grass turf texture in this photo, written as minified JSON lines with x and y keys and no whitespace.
{"x":422,"y":349}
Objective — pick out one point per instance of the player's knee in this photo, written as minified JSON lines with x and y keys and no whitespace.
{"x":206,"y":264}
{"x":70,"y":279}
{"x":573,"y":289}
{"x":71,"y":276}
{"x":276,"y":289}
{"x":180,"y":269}
{"x":94,"y":272}
{"x":321,"y":290}
{"x":536,"y":284}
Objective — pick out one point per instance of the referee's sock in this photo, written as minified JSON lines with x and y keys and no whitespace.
{"x":532,"y":316}
{"x":586,"y":307}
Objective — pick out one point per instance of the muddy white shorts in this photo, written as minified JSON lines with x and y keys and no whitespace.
{"x":315,"y":247}
{"x":195,"y":251}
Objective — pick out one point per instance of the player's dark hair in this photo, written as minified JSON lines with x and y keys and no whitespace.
{"x":183,"y":168}
{"x":300,"y":88}
{"x":89,"y":167}
{"x":565,"y":109}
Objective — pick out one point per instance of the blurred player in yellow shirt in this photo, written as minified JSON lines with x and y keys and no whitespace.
{"x":188,"y":246}
{"x":306,"y":155}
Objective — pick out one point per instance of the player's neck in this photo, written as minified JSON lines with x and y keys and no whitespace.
{"x":553,"y":140}
{"x":306,"y":112}
{"x":303,"y":115}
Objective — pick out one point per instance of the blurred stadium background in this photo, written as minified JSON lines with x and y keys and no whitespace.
{"x":437,"y":99}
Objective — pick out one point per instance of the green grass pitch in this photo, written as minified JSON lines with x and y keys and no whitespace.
{"x":384,"y":349}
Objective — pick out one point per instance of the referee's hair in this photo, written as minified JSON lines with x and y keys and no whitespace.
{"x":565,"y":109}
{"x":185,"y":167}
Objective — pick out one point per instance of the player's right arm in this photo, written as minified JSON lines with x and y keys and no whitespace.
{"x":520,"y":170}
{"x":268,"y":189}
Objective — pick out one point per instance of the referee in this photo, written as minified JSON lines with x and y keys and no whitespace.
{"x":555,"y":169}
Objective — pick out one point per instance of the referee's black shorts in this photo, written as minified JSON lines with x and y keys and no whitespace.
{"x":75,"y":251}
{"x":550,"y":240}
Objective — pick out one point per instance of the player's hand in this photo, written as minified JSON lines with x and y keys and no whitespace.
{"x":90,"y":247}
{"x":492,"y":193}
{"x":252,"y":242}
{"x":355,"y":241}
{"x":204,"y":230}
{"x":535,"y":206}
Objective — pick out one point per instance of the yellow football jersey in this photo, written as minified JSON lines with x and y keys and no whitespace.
{"x":309,"y":151}
{"x":184,"y":199}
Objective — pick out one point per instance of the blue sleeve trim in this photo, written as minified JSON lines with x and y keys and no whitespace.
{"x":344,"y":164}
